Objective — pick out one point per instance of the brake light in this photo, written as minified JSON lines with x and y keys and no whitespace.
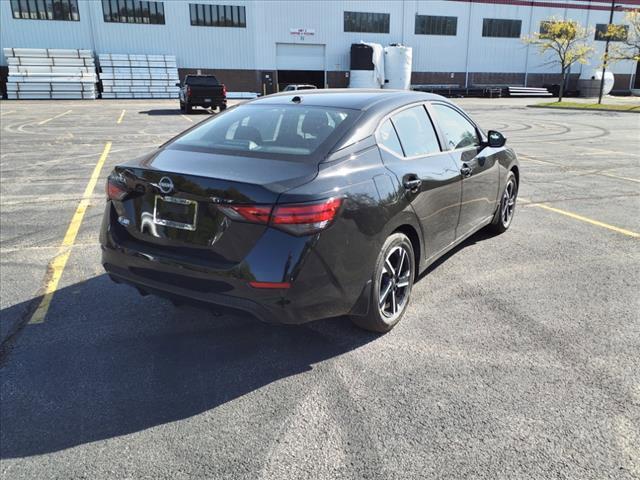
{"x":188,"y":91}
{"x":224,"y":90}
{"x":298,"y":219}
{"x":115,"y":190}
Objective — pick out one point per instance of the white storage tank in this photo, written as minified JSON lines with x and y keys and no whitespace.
{"x":397,"y":66}
{"x":367,"y":65}
{"x":589,"y":83}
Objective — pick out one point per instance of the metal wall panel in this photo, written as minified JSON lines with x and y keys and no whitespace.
{"x":270,"y":23}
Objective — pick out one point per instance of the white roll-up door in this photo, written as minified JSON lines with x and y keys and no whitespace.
{"x":293,"y":56}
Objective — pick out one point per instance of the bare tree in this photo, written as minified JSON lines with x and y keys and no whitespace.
{"x":566,"y":40}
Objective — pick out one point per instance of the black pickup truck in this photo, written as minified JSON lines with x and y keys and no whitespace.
{"x":202,"y":91}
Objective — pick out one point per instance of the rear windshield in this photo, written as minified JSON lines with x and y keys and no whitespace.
{"x":201,"y":81}
{"x":294,"y":130}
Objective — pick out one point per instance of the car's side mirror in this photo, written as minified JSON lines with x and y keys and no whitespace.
{"x":496,"y":139}
{"x":178,"y":84}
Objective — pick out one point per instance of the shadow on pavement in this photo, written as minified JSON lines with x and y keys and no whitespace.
{"x":175,"y":111}
{"x":107,"y":363}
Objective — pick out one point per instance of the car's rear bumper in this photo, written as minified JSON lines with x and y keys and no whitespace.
{"x":122,"y":267}
{"x":316,"y":291}
{"x":202,"y":102}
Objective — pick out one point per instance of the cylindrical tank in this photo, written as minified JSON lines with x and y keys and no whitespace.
{"x":589,"y":83}
{"x":397,"y":66}
{"x":367,"y":69}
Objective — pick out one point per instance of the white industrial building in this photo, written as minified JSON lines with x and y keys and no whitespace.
{"x":258,"y":45}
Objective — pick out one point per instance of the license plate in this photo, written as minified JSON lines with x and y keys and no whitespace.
{"x":207,"y":100}
{"x":175,"y":212}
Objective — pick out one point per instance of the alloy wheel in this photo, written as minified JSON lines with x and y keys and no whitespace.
{"x":394,"y":282}
{"x":508,"y":203}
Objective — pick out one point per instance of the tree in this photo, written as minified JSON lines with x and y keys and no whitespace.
{"x":626,"y":38}
{"x":566,"y":41}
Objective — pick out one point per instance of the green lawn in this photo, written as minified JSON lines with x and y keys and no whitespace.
{"x":630,"y":107}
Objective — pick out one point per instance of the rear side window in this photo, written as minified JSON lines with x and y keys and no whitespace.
{"x":387,"y":136}
{"x":458,"y":131}
{"x":416,"y":132}
{"x":268,"y":130}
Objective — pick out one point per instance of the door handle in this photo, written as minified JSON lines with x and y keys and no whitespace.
{"x":466,"y":171}
{"x":411,"y":182}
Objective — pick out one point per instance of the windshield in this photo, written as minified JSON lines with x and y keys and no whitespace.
{"x":270,"y":129}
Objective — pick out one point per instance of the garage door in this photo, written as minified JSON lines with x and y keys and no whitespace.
{"x":293,"y":56}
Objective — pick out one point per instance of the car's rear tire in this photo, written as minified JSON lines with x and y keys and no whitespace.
{"x":392,"y":284}
{"x":182,"y":109}
{"x":507,"y":208}
{"x":187,"y":107}
{"x":223,"y":107}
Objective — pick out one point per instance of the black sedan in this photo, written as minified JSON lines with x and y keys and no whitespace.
{"x":306,"y":205}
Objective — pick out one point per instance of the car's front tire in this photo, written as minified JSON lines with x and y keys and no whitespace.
{"x":507,"y":208}
{"x":392,"y":284}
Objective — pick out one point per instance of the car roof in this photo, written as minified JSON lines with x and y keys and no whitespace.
{"x":351,"y":98}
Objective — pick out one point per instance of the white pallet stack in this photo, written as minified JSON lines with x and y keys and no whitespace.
{"x":50,"y":73}
{"x":138,"y":76}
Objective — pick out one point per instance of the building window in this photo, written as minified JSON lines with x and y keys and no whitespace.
{"x":436,"y":25}
{"x":619,"y":33}
{"x":206,"y":15}
{"x":46,"y":10}
{"x":366,"y":22}
{"x":494,"y":27}
{"x":133,"y":11}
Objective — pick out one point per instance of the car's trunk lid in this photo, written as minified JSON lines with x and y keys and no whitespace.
{"x":176,"y":196}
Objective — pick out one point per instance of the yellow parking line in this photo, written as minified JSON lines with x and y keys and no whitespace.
{"x":57,"y":265}
{"x":121,"y":117}
{"x":186,"y":118}
{"x":620,"y":177}
{"x":52,"y":118}
{"x":587,"y":220}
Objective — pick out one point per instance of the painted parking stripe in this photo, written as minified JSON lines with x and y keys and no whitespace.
{"x":186,"y":118}
{"x":2,"y":114}
{"x":57,"y":265}
{"x":121,"y":117}
{"x":53,"y":118}
{"x":591,"y":221}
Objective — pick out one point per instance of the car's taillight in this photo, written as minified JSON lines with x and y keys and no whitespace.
{"x":298,"y":218}
{"x":188,"y":91}
{"x":248,"y":213}
{"x":302,"y":219}
{"x":224,"y":90}
{"x":116,"y":190}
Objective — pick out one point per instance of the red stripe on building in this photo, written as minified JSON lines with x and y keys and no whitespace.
{"x":604,"y":5}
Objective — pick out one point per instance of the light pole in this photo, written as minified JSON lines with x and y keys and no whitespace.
{"x":606,"y":51}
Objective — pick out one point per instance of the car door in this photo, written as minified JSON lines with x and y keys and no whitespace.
{"x":410,"y":148}
{"x":479,"y":171}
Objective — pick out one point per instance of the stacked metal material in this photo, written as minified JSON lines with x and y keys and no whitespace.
{"x":50,"y":73}
{"x":138,"y":76}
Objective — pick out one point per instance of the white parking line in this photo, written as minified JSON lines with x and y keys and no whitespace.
{"x":53,"y":118}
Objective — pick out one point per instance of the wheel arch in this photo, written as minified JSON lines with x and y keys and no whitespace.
{"x":516,"y":171}
{"x":410,"y":231}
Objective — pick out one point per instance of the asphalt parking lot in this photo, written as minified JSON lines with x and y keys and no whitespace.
{"x":519,"y":356}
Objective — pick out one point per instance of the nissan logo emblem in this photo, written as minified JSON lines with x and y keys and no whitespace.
{"x":165,"y":185}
